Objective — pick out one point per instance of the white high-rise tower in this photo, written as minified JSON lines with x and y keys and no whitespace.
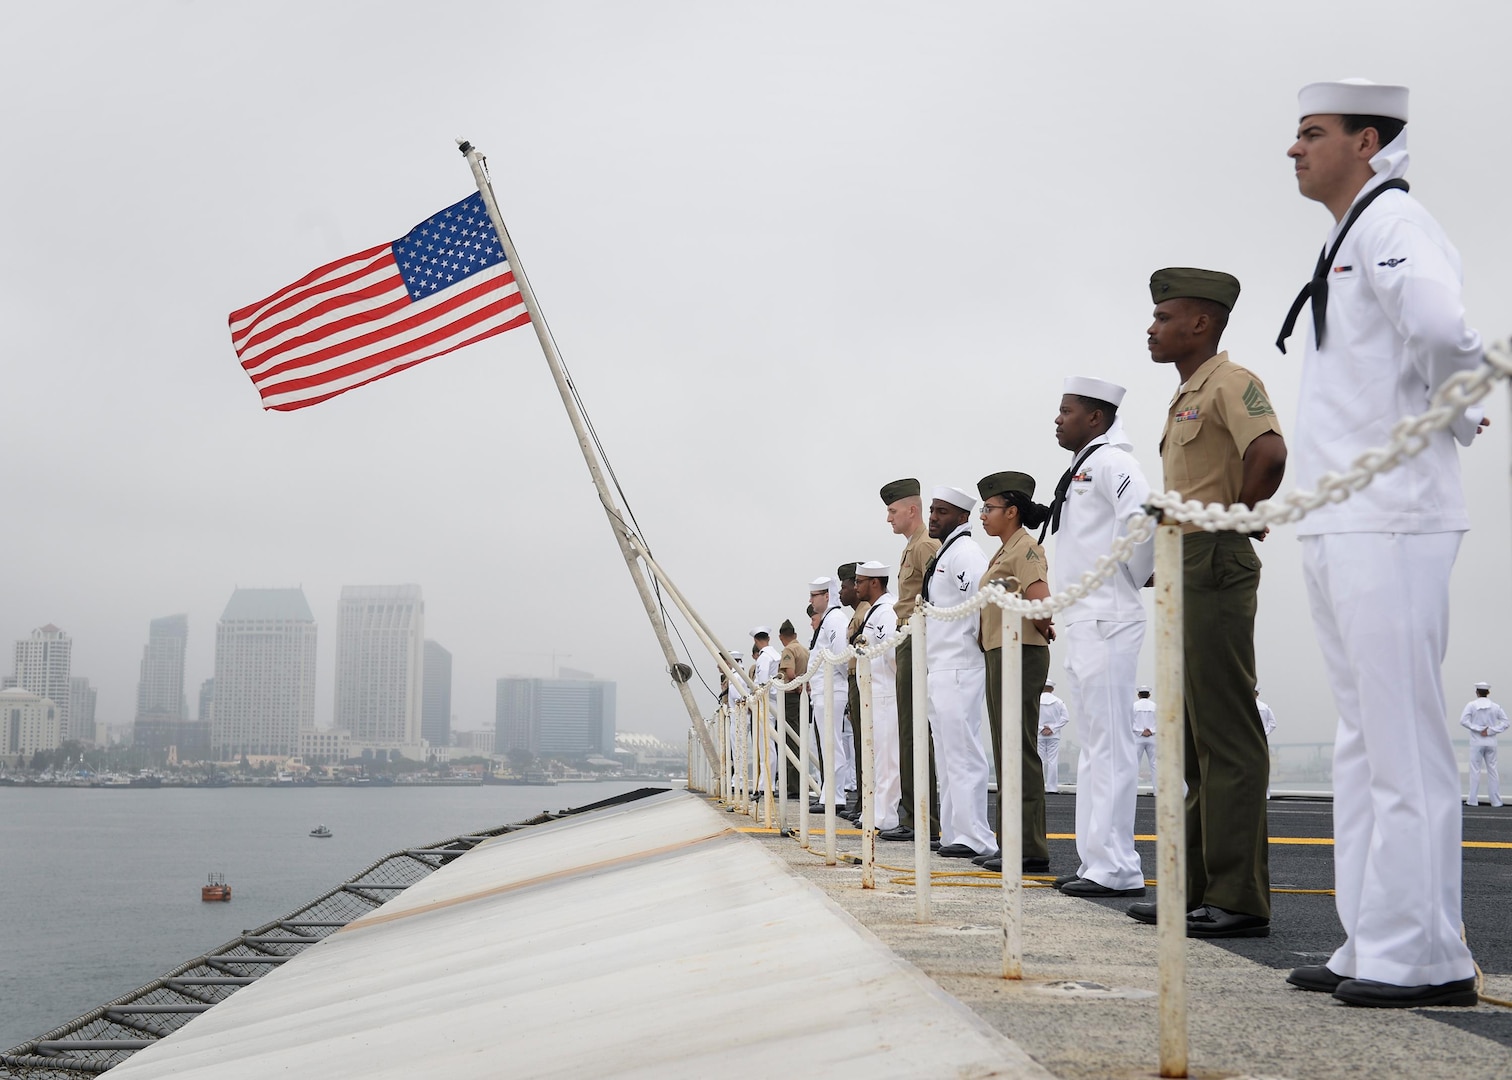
{"x":264,"y":673}
{"x":380,"y":664}
{"x":43,"y":666}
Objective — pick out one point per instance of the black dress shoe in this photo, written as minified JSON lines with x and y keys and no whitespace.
{"x":1378,"y":995}
{"x":1145,"y":911}
{"x":994,"y":864}
{"x":1089,"y":888}
{"x":980,"y":859}
{"x":902,"y":832}
{"x":1064,"y":880}
{"x":1035,"y":865}
{"x":1315,"y":977}
{"x":958,"y":851}
{"x":1213,"y":922}
{"x":934,"y":845}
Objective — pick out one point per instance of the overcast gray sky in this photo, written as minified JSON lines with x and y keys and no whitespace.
{"x":790,"y":251}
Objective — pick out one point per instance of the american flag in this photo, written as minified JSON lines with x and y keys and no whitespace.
{"x":443,"y":285}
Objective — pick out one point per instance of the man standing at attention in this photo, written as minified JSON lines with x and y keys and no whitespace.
{"x":905,"y":513}
{"x":1221,"y":444}
{"x":879,"y":625}
{"x":1094,"y":500}
{"x":763,"y":671}
{"x":957,"y":679}
{"x":828,"y":711}
{"x":793,"y":661}
{"x":1387,"y":328}
{"x":847,"y":575}
{"x":1144,"y":733}
{"x":1485,"y":720}
{"x":1053,"y":717}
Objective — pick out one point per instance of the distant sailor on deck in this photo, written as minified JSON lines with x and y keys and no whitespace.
{"x":1094,"y":501}
{"x":1052,"y":718}
{"x":1485,"y":720}
{"x":1144,"y":733}
{"x":847,"y":575}
{"x":905,"y":515}
{"x":957,"y":678}
{"x":829,"y":713}
{"x":1268,"y":722}
{"x":1386,"y":329}
{"x":765,"y":671}
{"x":792,"y":663}
{"x":879,"y":625}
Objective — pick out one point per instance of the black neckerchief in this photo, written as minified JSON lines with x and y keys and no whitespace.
{"x":1317,"y":288}
{"x":1063,"y":488}
{"x":934,"y":562}
{"x":815,"y":639}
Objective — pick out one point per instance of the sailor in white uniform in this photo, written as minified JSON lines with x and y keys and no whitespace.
{"x":1386,"y":329}
{"x":1053,"y":717}
{"x":881,"y":624}
{"x":957,"y":679}
{"x":1144,"y":732}
{"x":768,"y":656}
{"x":1268,"y":722}
{"x":739,"y":721}
{"x":1093,"y":503}
{"x":1485,"y":720}
{"x":829,"y":635}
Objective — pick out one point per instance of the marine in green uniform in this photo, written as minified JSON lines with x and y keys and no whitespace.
{"x":1222,"y":443}
{"x":1008,"y":512}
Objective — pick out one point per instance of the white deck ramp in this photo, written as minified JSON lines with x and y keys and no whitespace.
{"x":644,"y":940}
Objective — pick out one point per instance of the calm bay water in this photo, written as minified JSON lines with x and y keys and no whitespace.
{"x":99,"y":889}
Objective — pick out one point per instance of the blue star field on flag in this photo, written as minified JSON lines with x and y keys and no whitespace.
{"x":447,"y":247}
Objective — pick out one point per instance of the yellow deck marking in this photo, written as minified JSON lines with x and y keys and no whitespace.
{"x":1326,"y":841}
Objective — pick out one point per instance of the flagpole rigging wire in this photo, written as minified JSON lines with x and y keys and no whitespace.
{"x":588,"y":444}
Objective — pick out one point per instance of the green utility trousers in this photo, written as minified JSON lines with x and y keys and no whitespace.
{"x":905,"y":746}
{"x":1036,"y":663}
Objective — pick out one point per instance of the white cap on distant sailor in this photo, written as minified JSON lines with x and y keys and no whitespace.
{"x":820,"y":584}
{"x":737,"y":654}
{"x":954,"y":496}
{"x":1101,"y":389}
{"x":1142,"y":689}
{"x":761,"y":631}
{"x":1352,"y":97}
{"x":1049,"y":684}
{"x":871,"y":569}
{"x":1483,"y":686}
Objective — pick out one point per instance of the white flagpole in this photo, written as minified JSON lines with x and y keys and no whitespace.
{"x":611,"y":509}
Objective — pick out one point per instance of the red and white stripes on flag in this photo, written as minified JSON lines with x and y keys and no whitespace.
{"x":443,"y":285}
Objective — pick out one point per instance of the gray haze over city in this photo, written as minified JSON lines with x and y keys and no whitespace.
{"x":790,"y":251}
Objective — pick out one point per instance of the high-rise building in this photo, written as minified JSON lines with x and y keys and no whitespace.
{"x":28,"y":722}
{"x":43,"y":667}
{"x":81,"y":709}
{"x":206,"y":700}
{"x":160,"y":689}
{"x":435,"y":710}
{"x":264,"y":673}
{"x":380,"y":665}
{"x":571,"y":717}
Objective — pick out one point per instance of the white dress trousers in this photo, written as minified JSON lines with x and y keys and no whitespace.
{"x":1397,"y":824}
{"x":957,"y":699}
{"x":1483,"y":760}
{"x":1049,"y":752}
{"x":1101,"y":666}
{"x":885,"y":752}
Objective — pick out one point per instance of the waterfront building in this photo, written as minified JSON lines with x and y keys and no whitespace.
{"x":435,"y":706}
{"x":178,"y":740}
{"x":474,"y":742}
{"x":81,"y":709}
{"x":43,"y":667}
{"x":206,"y":699}
{"x":331,"y":745}
{"x":648,"y":752}
{"x":570,"y":717}
{"x":264,"y":673}
{"x":160,"y":688}
{"x":380,"y":638}
{"x":28,"y":722}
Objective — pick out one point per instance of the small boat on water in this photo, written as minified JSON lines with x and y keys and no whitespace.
{"x":320,"y":832}
{"x":216,"y":888}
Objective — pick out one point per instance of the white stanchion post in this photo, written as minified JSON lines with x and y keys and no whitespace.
{"x":868,"y":777}
{"x":830,"y":857}
{"x":779,"y":767}
{"x":726,"y":780}
{"x":1011,"y":795}
{"x":922,"y":879}
{"x":769,"y":777}
{"x":1170,"y":813}
{"x":804,"y":782}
